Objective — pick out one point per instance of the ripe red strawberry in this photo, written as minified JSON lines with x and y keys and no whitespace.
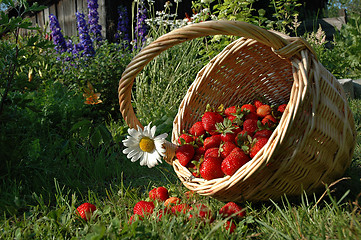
{"x":264,"y":110}
{"x":211,"y":168}
{"x":200,"y":150}
{"x":159,"y":194}
{"x":143,"y":208}
{"x":162,"y":212}
{"x":232,"y":209}
{"x":209,"y":120}
{"x":230,"y":111}
{"x":212,"y":141}
{"x":200,"y":211}
{"x":85,"y":211}
{"x":248,"y":107}
{"x":184,"y":154}
{"x":197,"y":129}
{"x":264,"y":133}
{"x":228,"y":137}
{"x":257,"y":146}
{"x":257,"y":103}
{"x":212,"y":152}
{"x":236,"y":159}
{"x":281,"y":108}
{"x":230,"y":226}
{"x":171,"y":201}
{"x":180,"y":208}
{"x":227,"y":148}
{"x":251,"y":115}
{"x":134,"y":218}
{"x":250,"y":126}
{"x":269,"y":120}
{"x":185,"y":138}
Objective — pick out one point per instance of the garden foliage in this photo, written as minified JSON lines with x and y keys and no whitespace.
{"x":60,"y":123}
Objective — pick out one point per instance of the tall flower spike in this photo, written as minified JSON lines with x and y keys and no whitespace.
{"x":84,"y":37}
{"x":123,"y":26}
{"x":143,"y":145}
{"x":141,"y":27}
{"x":58,"y":38}
{"x":95,"y":28}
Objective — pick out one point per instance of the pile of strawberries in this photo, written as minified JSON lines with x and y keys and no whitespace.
{"x":227,"y":138}
{"x":175,"y":206}
{"x":160,"y":203}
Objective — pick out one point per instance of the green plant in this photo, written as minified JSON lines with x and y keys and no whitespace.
{"x":14,"y":52}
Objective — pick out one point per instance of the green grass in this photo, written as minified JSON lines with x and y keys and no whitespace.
{"x":115,"y":189}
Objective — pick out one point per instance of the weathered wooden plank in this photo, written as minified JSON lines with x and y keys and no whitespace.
{"x":102,"y":16}
{"x":52,"y":10}
{"x":46,"y":19}
{"x":69,"y":17}
{"x":60,"y":16}
{"x":40,"y":18}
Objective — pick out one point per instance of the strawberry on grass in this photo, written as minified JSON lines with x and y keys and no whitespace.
{"x":159,"y":194}
{"x":142,"y":208}
{"x":232,"y":209}
{"x":86,"y":210}
{"x":201,"y":211}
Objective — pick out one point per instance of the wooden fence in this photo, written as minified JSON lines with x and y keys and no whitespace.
{"x":65,"y":11}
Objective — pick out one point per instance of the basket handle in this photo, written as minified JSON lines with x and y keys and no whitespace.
{"x":282,"y":45}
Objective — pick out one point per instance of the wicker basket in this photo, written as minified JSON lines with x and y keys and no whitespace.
{"x":314,"y":141}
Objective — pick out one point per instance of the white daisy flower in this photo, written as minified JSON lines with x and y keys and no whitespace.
{"x":142,"y":144}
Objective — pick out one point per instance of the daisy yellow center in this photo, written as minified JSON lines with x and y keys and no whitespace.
{"x":146,"y":144}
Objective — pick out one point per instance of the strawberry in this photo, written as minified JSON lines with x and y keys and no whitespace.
{"x":159,"y":194}
{"x":212,"y":141}
{"x":189,"y":194}
{"x":251,"y":115}
{"x":250,"y":126}
{"x":231,"y":209}
{"x":171,"y":201}
{"x":162,"y":212}
{"x":85,"y":211}
{"x":134,"y":218}
{"x":180,"y":208}
{"x":143,"y":207}
{"x":257,"y":103}
{"x":257,"y":146}
{"x":184,"y":154}
{"x":200,"y":211}
{"x":212,"y":152}
{"x":281,"y":108}
{"x":248,"y":108}
{"x":211,"y":168}
{"x":228,"y":137}
{"x":236,"y":159}
{"x":197,"y":129}
{"x":227,"y":148}
{"x":185,"y":138}
{"x":200,"y":151}
{"x":264,"y":133}
{"x":264,"y":110}
{"x":269,"y":120}
{"x":230,"y":226}
{"x":230,"y":111}
{"x":209,"y":120}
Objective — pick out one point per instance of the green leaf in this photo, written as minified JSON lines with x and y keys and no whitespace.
{"x":96,"y":138}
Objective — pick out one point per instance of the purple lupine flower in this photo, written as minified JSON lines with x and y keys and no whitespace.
{"x":95,"y":28}
{"x":58,"y":38}
{"x":84,"y":37}
{"x":141,"y":27}
{"x":123,"y":26}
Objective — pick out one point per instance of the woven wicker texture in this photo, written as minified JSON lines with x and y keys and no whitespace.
{"x":315,"y":139}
